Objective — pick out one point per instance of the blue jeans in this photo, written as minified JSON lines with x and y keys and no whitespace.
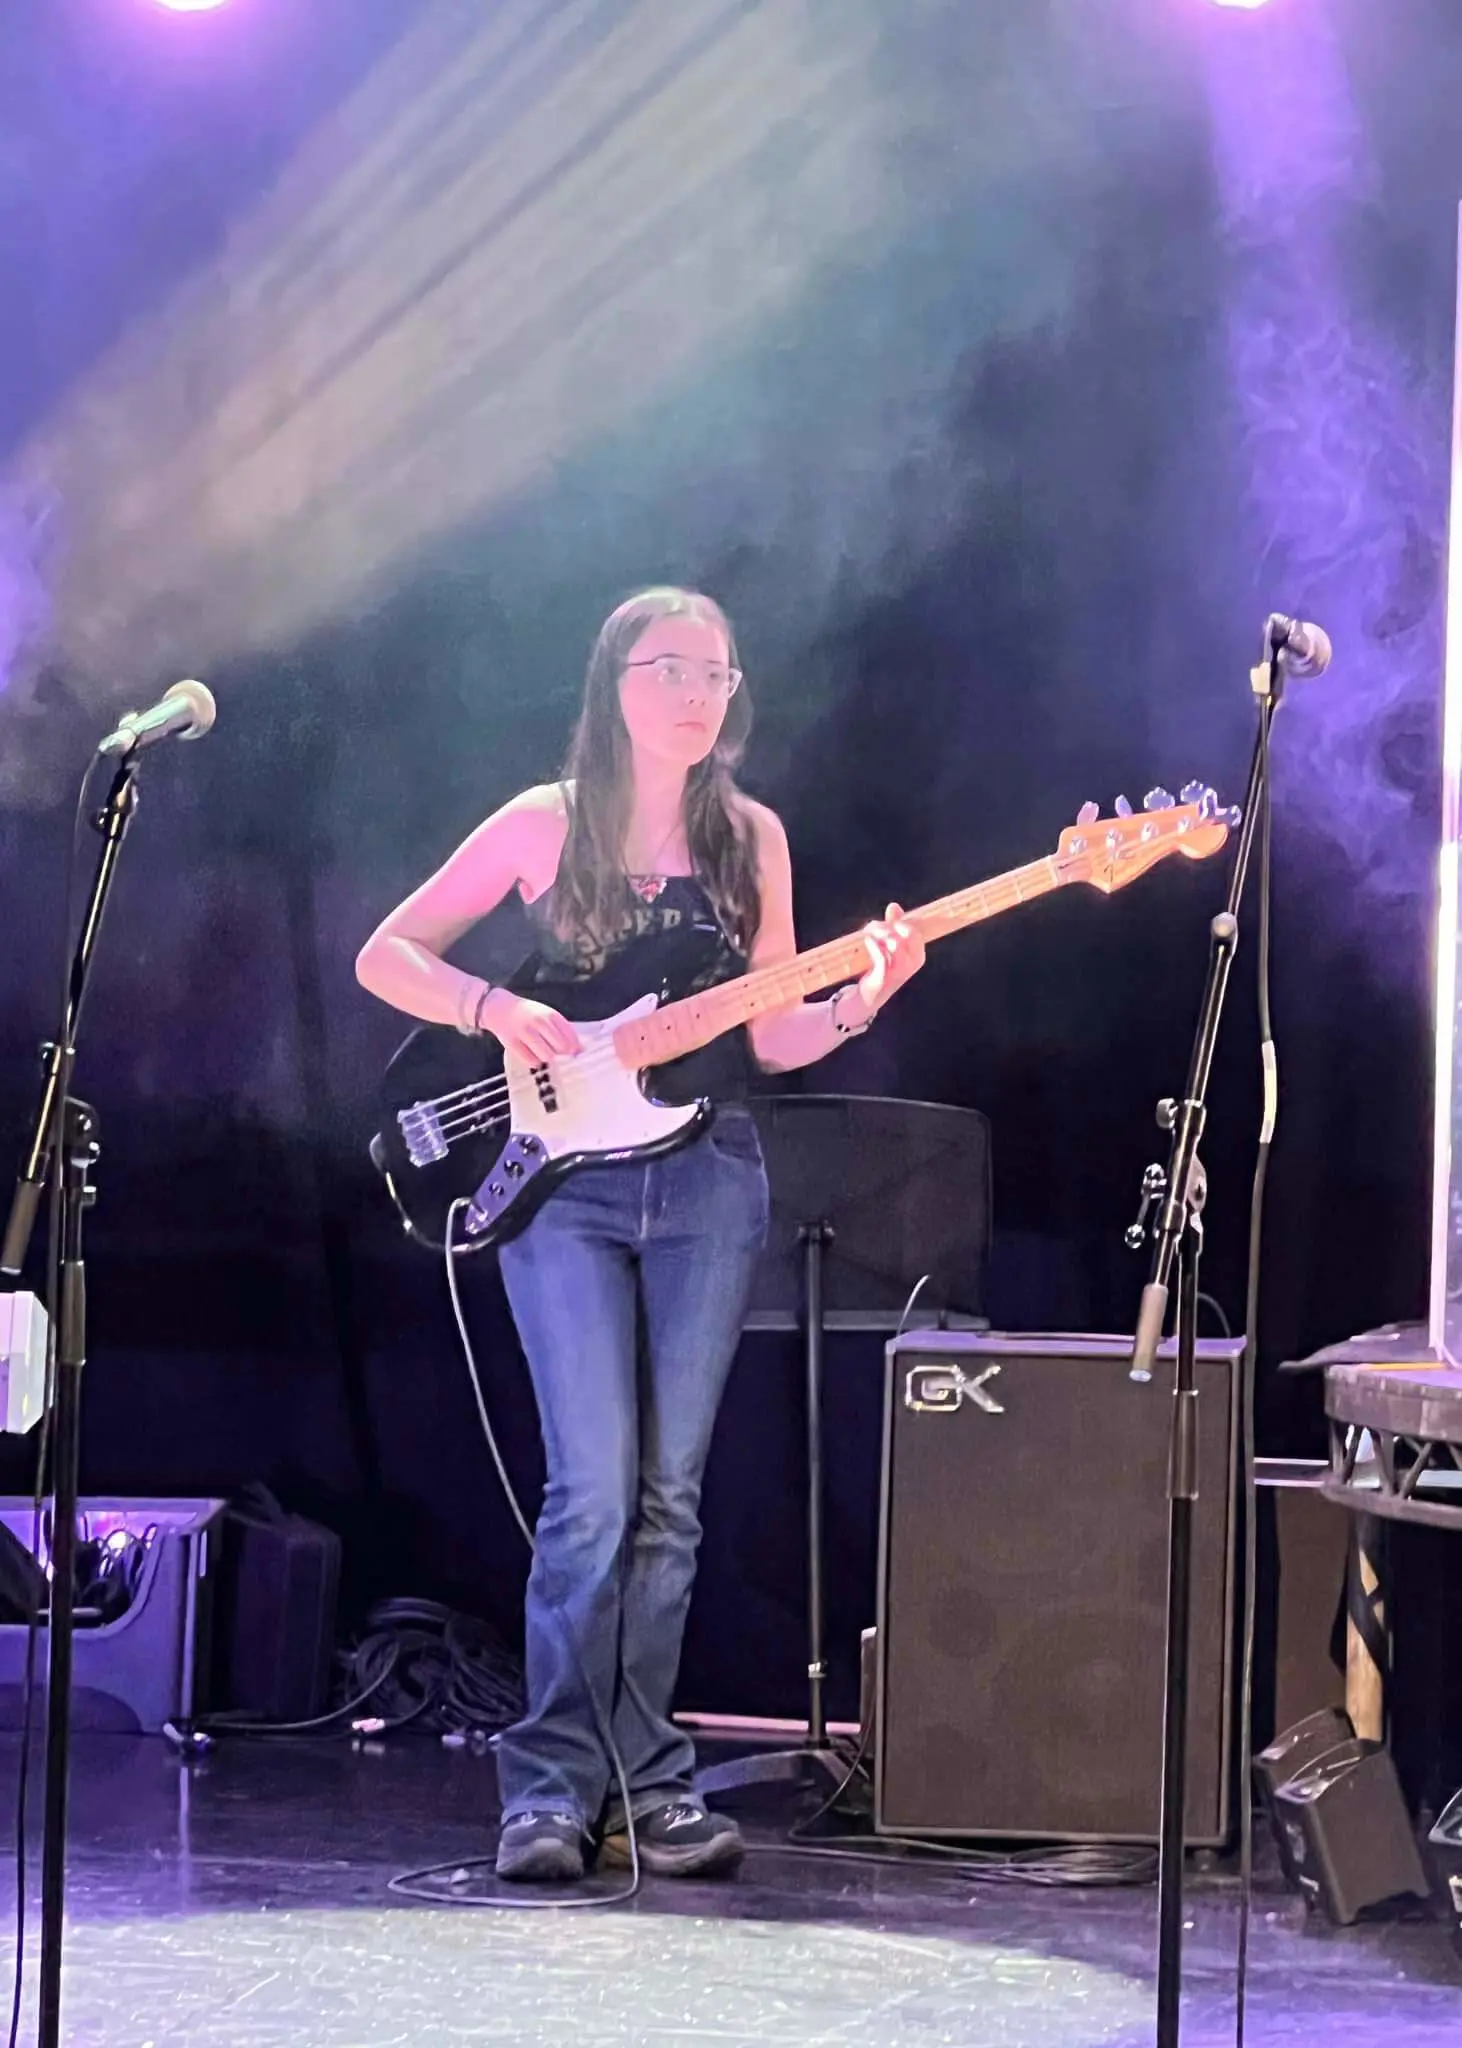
{"x":628,"y":1289}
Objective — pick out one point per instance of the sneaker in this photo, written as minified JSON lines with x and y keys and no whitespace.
{"x":679,"y":1840}
{"x":541,"y":1848}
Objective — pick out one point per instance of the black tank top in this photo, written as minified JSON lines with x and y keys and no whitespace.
{"x":670,"y":943}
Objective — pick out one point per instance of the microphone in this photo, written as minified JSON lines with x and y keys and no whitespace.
{"x":1306,"y":649}
{"x":188,"y":710}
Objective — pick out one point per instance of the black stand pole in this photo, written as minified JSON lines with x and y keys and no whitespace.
{"x":64,"y":1142}
{"x":79,"y":1152}
{"x":816,"y":1237}
{"x":816,"y":1753}
{"x":1182,"y":1493}
{"x":1178,"y":1238}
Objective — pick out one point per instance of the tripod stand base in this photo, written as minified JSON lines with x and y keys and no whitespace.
{"x":772,"y":1767}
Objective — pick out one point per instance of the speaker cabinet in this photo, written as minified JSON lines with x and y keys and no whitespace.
{"x":1348,"y":1832}
{"x":1288,"y":1756}
{"x":277,"y":1611}
{"x":1022,"y":1590}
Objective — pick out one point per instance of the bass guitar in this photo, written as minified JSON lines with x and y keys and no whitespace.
{"x":478,"y":1136}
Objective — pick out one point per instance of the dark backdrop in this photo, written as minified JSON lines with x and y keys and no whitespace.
{"x":998,"y":486}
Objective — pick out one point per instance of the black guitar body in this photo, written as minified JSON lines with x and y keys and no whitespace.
{"x":445,"y":1137}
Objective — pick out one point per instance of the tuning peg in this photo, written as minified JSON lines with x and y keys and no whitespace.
{"x":1088,"y":814}
{"x":1122,"y":807}
{"x":1159,"y":800}
{"x":1195,"y":793}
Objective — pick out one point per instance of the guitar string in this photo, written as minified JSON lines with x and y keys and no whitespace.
{"x":486,"y":1107}
{"x":466,"y":1116}
{"x":476,"y":1106}
{"x":473,"y":1092}
{"x":479,"y":1106}
{"x":495,"y":1094}
{"x":465,"y":1106}
{"x":477,"y":1095}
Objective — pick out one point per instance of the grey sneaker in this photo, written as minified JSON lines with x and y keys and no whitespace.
{"x":541,"y":1848}
{"x":680,"y":1840}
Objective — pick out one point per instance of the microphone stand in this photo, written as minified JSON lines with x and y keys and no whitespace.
{"x":64,"y":1142}
{"x":1178,"y":1240}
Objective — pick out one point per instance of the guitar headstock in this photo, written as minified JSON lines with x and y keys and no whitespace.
{"x":1111,"y":852}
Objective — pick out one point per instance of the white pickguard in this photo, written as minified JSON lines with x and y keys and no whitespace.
{"x":588,"y":1102}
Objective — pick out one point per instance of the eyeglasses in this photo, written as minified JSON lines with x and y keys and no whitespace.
{"x":676,"y":671}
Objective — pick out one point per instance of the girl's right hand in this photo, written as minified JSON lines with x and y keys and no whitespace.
{"x":531,"y":1031}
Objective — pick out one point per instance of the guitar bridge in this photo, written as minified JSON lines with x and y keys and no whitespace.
{"x":422,"y":1134}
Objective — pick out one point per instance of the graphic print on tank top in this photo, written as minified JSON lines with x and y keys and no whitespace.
{"x":670,"y":943}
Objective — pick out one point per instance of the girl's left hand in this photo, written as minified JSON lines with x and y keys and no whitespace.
{"x":895,"y":951}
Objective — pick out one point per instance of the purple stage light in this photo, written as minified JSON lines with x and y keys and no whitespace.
{"x":1247,"y":5}
{"x":189,"y":6}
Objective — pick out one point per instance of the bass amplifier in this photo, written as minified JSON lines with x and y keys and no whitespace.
{"x":1022,"y":1590}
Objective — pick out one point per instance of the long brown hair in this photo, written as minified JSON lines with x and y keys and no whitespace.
{"x":592,"y":893}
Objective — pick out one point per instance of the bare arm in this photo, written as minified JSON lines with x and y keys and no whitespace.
{"x":402,"y":960}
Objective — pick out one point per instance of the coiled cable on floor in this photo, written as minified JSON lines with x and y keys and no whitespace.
{"x":419,"y":1664}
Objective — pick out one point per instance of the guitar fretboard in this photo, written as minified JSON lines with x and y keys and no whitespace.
{"x":694,"y":1021}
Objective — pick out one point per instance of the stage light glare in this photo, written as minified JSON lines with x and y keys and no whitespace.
{"x":1247,"y":5}
{"x":189,"y":6}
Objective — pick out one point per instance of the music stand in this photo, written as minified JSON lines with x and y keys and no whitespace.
{"x":869,"y":1195}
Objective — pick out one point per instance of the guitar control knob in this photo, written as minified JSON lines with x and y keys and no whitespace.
{"x":514,"y":1169}
{"x":496,"y":1188}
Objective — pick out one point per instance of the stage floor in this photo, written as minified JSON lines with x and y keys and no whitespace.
{"x":244,"y":1901}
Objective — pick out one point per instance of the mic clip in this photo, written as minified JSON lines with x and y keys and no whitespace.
{"x":1266,"y":678}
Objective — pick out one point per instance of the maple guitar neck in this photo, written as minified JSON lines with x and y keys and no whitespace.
{"x":684,"y":1026}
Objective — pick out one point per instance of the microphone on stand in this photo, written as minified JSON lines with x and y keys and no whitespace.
{"x":188,"y":710}
{"x":1305,"y":650}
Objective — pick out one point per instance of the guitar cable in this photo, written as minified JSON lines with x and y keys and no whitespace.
{"x":418,"y":1883}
